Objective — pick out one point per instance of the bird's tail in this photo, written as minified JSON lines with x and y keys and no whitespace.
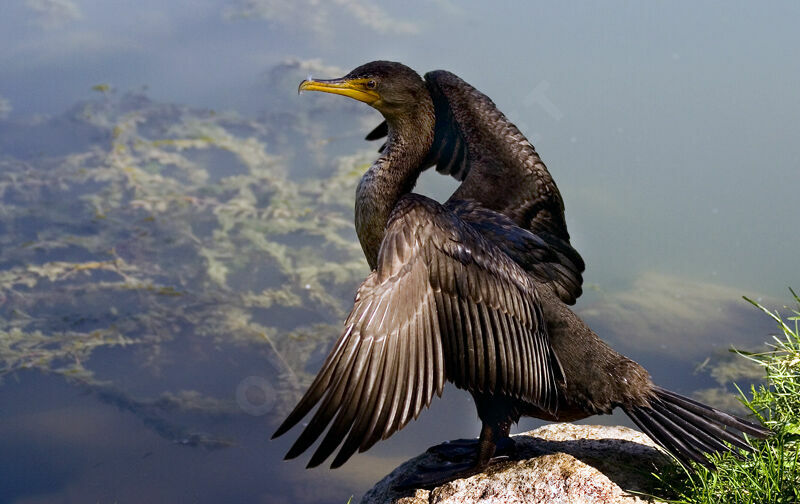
{"x":689,"y":429}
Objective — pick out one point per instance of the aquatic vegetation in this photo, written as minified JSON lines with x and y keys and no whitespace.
{"x":692,"y":315}
{"x":168,"y":234}
{"x":772,"y":473}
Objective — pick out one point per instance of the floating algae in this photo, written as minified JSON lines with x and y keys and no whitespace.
{"x":173,"y":240}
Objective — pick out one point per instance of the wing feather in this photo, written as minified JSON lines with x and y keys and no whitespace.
{"x":490,"y":355}
{"x":365,"y":403}
{"x":459,"y":331}
{"x":429,"y":362}
{"x":397,"y":387}
{"x":346,"y":415}
{"x":410,"y":385}
{"x":329,"y":404}
{"x":443,"y":303}
{"x":385,"y":397}
{"x":502,"y":352}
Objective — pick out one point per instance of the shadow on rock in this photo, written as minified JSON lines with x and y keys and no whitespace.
{"x":559,"y":463}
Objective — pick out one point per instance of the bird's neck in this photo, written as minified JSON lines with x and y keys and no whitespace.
{"x":392,"y":176}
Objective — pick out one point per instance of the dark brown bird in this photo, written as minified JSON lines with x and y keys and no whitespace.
{"x":474,"y":291}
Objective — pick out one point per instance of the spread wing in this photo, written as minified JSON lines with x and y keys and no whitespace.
{"x":443,"y":304}
{"x":499,"y":168}
{"x":552,"y":262}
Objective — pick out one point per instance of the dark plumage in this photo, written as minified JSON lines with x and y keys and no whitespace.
{"x":474,"y":291}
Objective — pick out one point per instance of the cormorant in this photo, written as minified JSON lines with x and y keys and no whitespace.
{"x":473,"y":291}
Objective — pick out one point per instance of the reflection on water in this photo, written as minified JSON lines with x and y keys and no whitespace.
{"x":171,"y":277}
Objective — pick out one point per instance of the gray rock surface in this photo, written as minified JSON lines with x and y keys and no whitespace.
{"x":557,"y":463}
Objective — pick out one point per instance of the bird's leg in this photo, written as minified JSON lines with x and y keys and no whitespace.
{"x":497,"y":415}
{"x":494,"y":441}
{"x":494,"y":435}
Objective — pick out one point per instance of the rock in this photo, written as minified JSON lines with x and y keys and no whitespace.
{"x":557,"y":463}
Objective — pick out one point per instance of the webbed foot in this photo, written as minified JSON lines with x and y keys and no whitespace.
{"x":459,"y":449}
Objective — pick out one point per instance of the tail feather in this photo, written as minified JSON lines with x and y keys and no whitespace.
{"x":714,"y":431}
{"x":689,"y":429}
{"x":696,"y":444}
{"x":745,"y":426}
{"x":664,"y":437}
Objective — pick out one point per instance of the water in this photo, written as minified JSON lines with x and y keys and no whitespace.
{"x":176,"y":245}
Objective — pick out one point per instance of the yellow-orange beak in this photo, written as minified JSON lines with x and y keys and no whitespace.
{"x":353,"y":88}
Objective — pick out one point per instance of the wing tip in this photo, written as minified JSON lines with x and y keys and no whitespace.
{"x":339,"y":462}
{"x":285,"y":427}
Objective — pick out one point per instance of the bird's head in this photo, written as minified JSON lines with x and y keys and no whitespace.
{"x":389,"y":87}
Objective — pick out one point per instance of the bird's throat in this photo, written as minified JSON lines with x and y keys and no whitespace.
{"x":390,"y":177}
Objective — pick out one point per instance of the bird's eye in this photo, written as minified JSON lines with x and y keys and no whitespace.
{"x":371,"y":84}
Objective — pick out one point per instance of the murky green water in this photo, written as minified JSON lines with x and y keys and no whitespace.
{"x":175,"y":261}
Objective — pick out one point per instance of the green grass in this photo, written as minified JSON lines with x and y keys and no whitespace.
{"x":770,"y":474}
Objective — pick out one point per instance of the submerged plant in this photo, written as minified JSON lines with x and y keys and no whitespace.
{"x":165,"y":238}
